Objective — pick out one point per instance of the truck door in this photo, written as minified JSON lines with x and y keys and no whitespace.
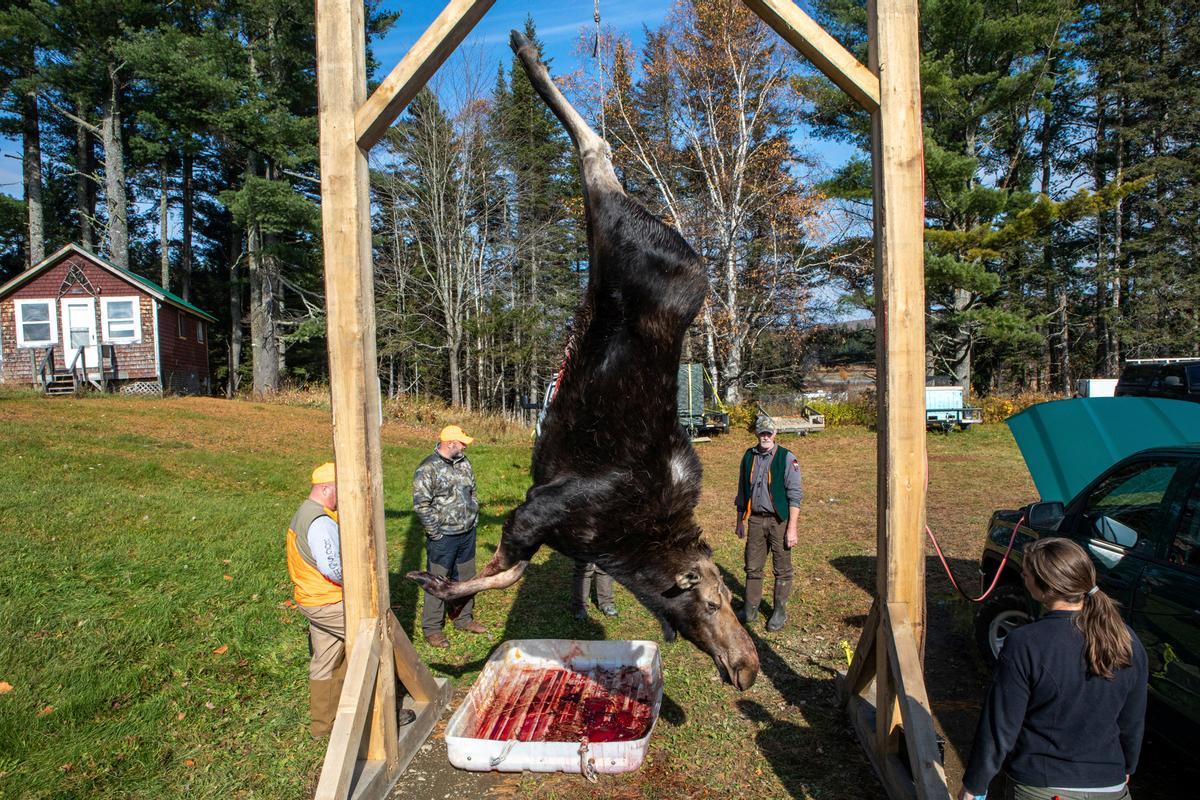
{"x":1165,"y":614}
{"x":1122,"y":520}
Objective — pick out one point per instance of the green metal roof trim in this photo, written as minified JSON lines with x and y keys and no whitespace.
{"x":146,"y":283}
{"x":170,"y":297}
{"x":1067,"y":443}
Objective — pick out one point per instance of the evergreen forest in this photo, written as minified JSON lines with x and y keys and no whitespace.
{"x":1062,"y":162}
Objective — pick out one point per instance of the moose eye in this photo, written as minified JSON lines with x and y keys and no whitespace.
{"x":712,"y":607}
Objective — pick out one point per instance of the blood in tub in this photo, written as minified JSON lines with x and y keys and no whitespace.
{"x":563,"y":705}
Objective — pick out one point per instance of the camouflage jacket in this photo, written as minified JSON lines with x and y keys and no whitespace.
{"x":444,"y":496}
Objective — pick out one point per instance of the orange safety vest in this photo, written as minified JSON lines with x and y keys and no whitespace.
{"x":311,"y":587}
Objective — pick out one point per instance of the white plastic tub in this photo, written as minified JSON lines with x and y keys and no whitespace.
{"x":495,"y":703}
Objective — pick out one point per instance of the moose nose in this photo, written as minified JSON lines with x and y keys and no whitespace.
{"x":743,"y":677}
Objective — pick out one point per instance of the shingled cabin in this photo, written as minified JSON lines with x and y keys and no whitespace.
{"x":75,"y":321}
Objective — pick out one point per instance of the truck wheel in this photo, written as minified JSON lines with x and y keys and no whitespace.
{"x":1005,"y":610}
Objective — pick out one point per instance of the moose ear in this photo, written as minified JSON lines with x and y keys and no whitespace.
{"x":686,"y":580}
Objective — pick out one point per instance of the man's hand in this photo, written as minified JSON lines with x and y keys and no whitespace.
{"x":792,"y":537}
{"x":741,"y":528}
{"x":963,"y":794}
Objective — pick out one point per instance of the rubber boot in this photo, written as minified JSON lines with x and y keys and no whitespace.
{"x":323,"y":699}
{"x":749,"y":611}
{"x":581,"y":589}
{"x":322,"y":707}
{"x":779,"y":615}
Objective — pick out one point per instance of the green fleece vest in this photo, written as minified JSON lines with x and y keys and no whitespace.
{"x":775,"y":481}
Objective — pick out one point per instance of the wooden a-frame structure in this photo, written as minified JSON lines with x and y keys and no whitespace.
{"x":884,"y":687}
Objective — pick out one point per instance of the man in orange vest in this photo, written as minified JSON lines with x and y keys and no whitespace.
{"x":314,"y":559}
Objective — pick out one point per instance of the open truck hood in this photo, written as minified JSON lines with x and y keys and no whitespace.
{"x":1067,"y":443}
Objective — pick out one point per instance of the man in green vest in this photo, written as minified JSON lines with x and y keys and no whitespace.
{"x":768,"y":506}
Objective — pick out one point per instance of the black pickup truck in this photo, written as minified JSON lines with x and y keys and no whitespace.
{"x":1140,"y":523}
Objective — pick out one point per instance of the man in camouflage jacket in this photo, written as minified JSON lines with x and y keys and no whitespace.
{"x":444,"y":500}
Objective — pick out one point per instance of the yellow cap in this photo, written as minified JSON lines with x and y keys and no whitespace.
{"x":453,"y":433}
{"x":326,"y":473}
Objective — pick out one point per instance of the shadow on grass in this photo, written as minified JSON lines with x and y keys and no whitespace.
{"x":860,"y":570}
{"x":802,"y":756}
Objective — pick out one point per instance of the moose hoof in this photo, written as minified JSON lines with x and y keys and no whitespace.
{"x":434,"y":584}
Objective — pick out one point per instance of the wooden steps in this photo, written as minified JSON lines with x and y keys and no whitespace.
{"x":60,"y":383}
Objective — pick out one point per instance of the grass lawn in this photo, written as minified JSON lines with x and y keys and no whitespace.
{"x":152,"y":652}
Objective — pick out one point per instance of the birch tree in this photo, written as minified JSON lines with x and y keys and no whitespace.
{"x":705,"y":129}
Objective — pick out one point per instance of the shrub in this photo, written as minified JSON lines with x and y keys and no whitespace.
{"x":433,"y":413}
{"x":999,"y":407}
{"x":842,"y":413}
{"x":743,"y":417}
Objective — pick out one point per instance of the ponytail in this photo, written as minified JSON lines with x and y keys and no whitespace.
{"x":1107,"y":643}
{"x":1063,"y":571}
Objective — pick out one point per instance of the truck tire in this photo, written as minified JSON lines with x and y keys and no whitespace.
{"x":1005,"y":610}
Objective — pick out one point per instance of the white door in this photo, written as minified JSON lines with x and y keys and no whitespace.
{"x":79,"y":331}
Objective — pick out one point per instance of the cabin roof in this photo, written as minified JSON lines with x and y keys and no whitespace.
{"x":147,"y":285}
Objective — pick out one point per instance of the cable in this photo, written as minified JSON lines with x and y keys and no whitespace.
{"x":999,"y":570}
{"x":599,"y":69}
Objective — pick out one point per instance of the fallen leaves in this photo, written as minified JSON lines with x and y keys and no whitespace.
{"x":227,"y":577}
{"x":190,"y":762}
{"x":5,"y":687}
{"x":222,"y":650}
{"x":46,"y":710}
{"x":209,"y":705}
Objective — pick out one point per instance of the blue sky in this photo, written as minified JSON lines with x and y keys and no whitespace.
{"x":558,"y":26}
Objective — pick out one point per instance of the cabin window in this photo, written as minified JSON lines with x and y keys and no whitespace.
{"x":36,"y":325}
{"x":200,"y":332}
{"x":120,"y":318}
{"x":181,"y":325}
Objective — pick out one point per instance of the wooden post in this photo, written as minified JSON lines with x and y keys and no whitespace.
{"x":350,"y":307}
{"x":899,"y":168}
{"x":898,"y":174}
{"x":379,"y":649}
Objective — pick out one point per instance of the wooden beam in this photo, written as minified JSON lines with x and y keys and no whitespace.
{"x":353,"y":366}
{"x":341,"y":756}
{"x":401,"y":85}
{"x":898,"y":175}
{"x":414,"y":734}
{"x":411,"y":671}
{"x":920,"y":736}
{"x":862,"y":665}
{"x":825,"y":52}
{"x":888,"y":768}
{"x":900,"y":307}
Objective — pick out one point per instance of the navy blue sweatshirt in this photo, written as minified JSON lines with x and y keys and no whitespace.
{"x":1058,"y":725}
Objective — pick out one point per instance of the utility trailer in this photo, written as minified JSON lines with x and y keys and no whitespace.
{"x":790,"y":414}
{"x":693,"y":416}
{"x":944,"y":408}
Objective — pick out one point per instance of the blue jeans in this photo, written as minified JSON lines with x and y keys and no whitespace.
{"x":451,"y":557}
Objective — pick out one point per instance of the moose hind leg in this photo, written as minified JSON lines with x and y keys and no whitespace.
{"x":594,"y":152}
{"x":527,"y":526}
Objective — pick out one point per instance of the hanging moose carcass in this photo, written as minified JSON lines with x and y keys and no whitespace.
{"x":615,"y":479}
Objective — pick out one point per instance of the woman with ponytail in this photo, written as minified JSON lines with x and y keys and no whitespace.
{"x":1065,"y":712}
